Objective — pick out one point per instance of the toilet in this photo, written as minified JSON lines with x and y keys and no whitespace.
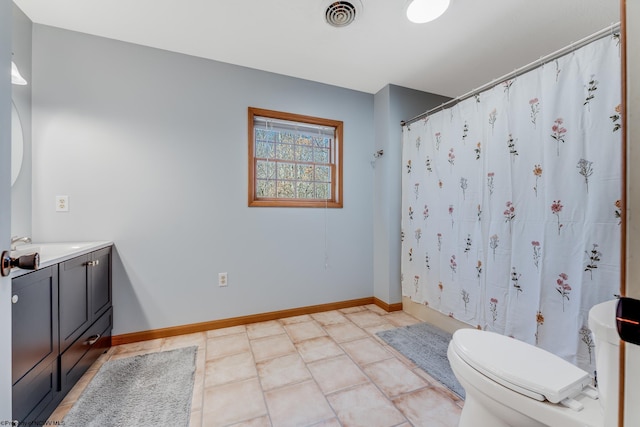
{"x":509,"y":383}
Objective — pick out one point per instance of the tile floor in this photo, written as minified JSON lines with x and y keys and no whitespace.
{"x":324,"y":369}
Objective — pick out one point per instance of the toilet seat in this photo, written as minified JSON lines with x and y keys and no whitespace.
{"x":519,"y":366}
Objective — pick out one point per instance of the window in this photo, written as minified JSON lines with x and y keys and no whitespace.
{"x":294,"y":160}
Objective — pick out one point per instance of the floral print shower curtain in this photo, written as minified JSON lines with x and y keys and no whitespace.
{"x":511,"y":203}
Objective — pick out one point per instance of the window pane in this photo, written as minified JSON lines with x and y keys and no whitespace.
{"x":266,"y":188}
{"x":266,"y":135}
{"x":285,"y":152}
{"x":305,"y":190}
{"x":285,"y":189}
{"x":305,"y":173}
{"x":321,"y":155}
{"x":265,"y":150}
{"x":286,"y":171}
{"x":323,"y":173}
{"x":266,"y":170}
{"x":323,"y":191}
{"x":322,"y":142}
{"x":304,"y":140}
{"x":287,"y":137}
{"x":304,"y":154}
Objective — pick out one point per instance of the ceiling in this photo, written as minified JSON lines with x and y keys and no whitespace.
{"x":474,"y":42}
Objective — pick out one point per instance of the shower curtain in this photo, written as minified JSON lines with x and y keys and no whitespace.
{"x":511,"y":203}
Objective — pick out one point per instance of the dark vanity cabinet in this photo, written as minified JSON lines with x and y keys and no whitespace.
{"x":85,"y":313}
{"x":62,"y":320}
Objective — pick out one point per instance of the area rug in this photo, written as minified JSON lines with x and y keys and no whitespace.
{"x":149,"y":390}
{"x":426,"y":346}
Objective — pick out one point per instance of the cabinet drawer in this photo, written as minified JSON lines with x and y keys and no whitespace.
{"x":85,"y":350}
{"x":34,"y":392}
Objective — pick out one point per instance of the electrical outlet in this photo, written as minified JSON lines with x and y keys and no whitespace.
{"x":62,"y":203}
{"x":222,"y":279}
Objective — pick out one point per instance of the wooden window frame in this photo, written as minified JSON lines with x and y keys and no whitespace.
{"x":336,"y":200}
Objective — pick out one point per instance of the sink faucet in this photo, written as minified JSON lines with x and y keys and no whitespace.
{"x":16,"y":239}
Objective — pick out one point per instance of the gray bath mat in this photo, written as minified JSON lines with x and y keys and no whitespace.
{"x":150,"y":390}
{"x":426,"y":346}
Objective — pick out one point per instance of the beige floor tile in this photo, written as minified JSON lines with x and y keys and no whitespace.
{"x":352,"y":309}
{"x":297,"y":405}
{"x":366,"y":318}
{"x":329,"y":317}
{"x":304,"y":331}
{"x":401,"y":357}
{"x":333,"y":422}
{"x":376,"y":309}
{"x":282,"y":371}
{"x":232,"y":330}
{"x":318,"y":349}
{"x":256,"y":422}
{"x":365,"y":406}
{"x":400,"y":318}
{"x":428,"y":408}
{"x":196,"y":419}
{"x":198,"y":339}
{"x":296,"y":319}
{"x":270,"y":347}
{"x":233,"y":402}
{"x":228,"y":369}
{"x":393,"y":377}
{"x":345,"y":332}
{"x":264,"y":329}
{"x":134,"y":347}
{"x":365,"y":351}
{"x":337,"y":374}
{"x":227,"y":345}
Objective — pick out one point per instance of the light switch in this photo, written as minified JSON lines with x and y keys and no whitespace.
{"x":62,"y":203}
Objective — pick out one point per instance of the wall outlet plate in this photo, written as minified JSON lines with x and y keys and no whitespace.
{"x":62,"y":203}
{"x":222,"y":279}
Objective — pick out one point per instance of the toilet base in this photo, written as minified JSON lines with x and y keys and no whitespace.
{"x":477,"y":414}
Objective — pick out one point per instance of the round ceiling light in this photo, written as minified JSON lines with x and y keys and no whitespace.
{"x":340,"y":13}
{"x":421,"y":11}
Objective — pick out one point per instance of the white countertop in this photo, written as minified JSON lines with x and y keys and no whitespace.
{"x":54,"y":253}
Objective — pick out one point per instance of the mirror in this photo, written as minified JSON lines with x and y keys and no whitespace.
{"x":17,"y":144}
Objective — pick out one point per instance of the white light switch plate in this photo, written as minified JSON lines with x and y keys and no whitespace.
{"x":62,"y":203}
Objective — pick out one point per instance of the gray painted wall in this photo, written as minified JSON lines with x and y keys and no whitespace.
{"x":151,"y":148}
{"x":21,"y":189}
{"x":5,"y":207}
{"x":393,"y":104}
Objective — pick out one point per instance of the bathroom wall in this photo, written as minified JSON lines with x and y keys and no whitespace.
{"x":393,"y":104}
{"x":5,"y":208}
{"x":21,"y":95}
{"x":151,"y":148}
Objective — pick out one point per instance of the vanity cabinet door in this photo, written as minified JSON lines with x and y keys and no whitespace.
{"x":34,"y":343}
{"x":100,"y":279}
{"x":75,"y":302}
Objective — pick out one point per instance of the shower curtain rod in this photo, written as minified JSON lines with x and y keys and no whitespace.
{"x":543,"y":60}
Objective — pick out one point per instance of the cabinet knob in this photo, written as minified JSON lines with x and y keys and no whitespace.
{"x":93,"y":263}
{"x":14,"y":299}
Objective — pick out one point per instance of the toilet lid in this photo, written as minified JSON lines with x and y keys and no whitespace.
{"x":522,"y":367}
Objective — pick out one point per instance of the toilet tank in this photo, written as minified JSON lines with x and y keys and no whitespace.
{"x":602,"y":322}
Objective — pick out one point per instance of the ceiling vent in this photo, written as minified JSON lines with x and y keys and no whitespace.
{"x":342,"y":13}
